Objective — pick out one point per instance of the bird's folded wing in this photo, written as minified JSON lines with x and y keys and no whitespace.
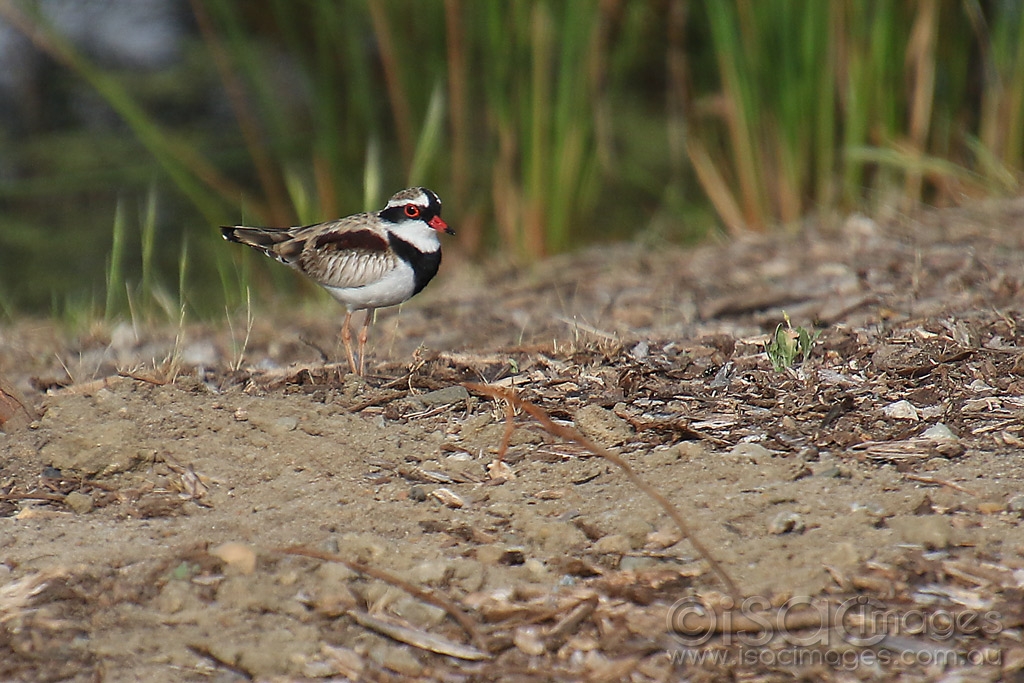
{"x":352,"y":257}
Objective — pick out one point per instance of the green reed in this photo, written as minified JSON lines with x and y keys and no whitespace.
{"x":830,"y":105}
{"x":545,"y":124}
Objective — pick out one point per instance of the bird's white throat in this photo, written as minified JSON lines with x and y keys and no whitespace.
{"x":418,"y":234}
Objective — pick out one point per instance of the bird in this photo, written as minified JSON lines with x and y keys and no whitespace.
{"x":366,"y":260}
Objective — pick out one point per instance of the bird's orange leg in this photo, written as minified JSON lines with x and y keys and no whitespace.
{"x":346,"y":338}
{"x":363,"y":333}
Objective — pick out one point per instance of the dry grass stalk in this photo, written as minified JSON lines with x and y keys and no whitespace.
{"x":571,"y":434}
{"x":430,"y":597}
{"x":15,"y":411}
{"x":940,"y":482}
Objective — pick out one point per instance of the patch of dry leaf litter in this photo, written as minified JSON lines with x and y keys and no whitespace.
{"x":281,"y":520}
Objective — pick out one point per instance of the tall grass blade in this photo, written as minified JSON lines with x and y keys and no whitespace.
{"x":429,"y":141}
{"x":298,"y":195}
{"x":115,"y":264}
{"x":148,"y":240}
{"x":397,"y":94}
{"x":192,"y":174}
{"x":270,"y":182}
{"x":372,"y":173}
{"x":183,"y":277}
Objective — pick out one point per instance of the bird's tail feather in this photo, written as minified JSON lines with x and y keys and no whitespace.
{"x":276,"y":243}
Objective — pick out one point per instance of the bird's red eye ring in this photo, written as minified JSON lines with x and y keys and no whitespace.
{"x":412,"y":211}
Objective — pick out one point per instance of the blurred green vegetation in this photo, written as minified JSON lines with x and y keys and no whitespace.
{"x":543,"y":124}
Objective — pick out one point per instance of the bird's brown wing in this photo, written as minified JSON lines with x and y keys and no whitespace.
{"x":347,"y":253}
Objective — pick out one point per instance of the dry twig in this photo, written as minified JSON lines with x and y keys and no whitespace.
{"x":15,"y":411}
{"x":939,"y":482}
{"x":571,"y":434}
{"x":427,"y":596}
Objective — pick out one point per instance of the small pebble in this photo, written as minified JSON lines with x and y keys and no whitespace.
{"x":512,"y":557}
{"x":489,"y":554}
{"x":901,"y":410}
{"x":691,"y":450}
{"x":750,"y":452}
{"x":939,"y":432}
{"x":397,"y":658}
{"x":786,"y":522}
{"x":931,"y":531}
{"x":1016,"y":504}
{"x":442,"y":397}
{"x":238,"y":557}
{"x":528,"y":640}
{"x":173,"y":596}
{"x":613,"y":544}
{"x":536,"y":568}
{"x":334,"y":573}
{"x":635,"y":563}
{"x":420,"y":614}
{"x":602,"y":425}
{"x":288,"y":423}
{"x":431,"y":572}
{"x":79,"y":502}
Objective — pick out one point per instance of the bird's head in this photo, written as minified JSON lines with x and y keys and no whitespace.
{"x":415,"y":205}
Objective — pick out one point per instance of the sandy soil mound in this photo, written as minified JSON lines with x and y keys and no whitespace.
{"x":178,"y":507}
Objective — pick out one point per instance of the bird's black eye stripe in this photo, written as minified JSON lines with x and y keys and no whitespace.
{"x":404,"y":212}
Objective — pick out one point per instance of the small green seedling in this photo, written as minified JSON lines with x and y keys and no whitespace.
{"x":788,"y":343}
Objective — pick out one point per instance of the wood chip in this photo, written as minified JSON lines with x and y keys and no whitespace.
{"x":421,"y":639}
{"x":448,"y":498}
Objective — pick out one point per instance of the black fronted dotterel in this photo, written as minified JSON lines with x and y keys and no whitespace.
{"x":366,"y":261}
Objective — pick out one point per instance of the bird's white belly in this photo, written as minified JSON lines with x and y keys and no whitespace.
{"x":394,"y":288}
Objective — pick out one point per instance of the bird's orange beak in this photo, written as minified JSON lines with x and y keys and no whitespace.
{"x":437,"y":224}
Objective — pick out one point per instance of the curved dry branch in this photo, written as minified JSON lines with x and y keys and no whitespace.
{"x":571,"y":434}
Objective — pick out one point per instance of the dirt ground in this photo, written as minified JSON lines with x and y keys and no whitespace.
{"x":178,"y":509}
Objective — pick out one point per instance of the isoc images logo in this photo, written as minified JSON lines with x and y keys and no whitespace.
{"x":802,"y":622}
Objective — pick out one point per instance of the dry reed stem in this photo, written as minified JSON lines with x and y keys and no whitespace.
{"x":255,"y":138}
{"x":571,"y":434}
